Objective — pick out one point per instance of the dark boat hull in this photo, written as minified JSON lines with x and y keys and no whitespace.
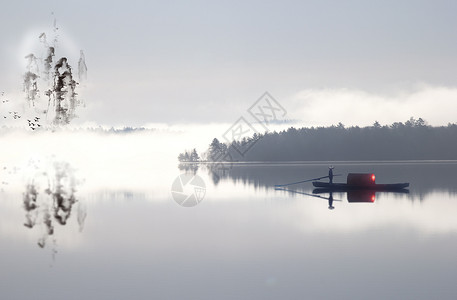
{"x":326,"y":191}
{"x":348,"y":187}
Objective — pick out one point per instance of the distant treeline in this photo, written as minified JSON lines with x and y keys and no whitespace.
{"x":99,"y":129}
{"x":412,"y":140}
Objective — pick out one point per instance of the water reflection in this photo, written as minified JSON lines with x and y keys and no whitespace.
{"x":329,"y":198}
{"x":330,"y":201}
{"x":188,"y":167}
{"x":218,"y":170}
{"x":355,"y":196}
{"x":49,"y":198}
{"x":271,"y":244}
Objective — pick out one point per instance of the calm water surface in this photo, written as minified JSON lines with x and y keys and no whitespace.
{"x":126,"y":238}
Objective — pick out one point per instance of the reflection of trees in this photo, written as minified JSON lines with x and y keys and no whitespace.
{"x":63,"y":195}
{"x":49,"y":197}
{"x":189,"y":167}
{"x":218,"y":170}
{"x":30,"y":204}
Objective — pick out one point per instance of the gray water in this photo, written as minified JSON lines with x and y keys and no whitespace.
{"x":244,"y":240}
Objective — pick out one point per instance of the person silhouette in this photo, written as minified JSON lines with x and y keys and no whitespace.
{"x":330,"y":174}
{"x":330,"y":201}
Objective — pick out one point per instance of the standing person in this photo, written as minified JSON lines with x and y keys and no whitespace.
{"x":330,"y":174}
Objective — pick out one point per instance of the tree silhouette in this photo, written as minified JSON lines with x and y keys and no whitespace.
{"x":412,"y":140}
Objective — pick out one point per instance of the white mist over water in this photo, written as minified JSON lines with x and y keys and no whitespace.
{"x":144,"y":164}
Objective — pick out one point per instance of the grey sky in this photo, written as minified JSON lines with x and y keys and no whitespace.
{"x":207,"y":61}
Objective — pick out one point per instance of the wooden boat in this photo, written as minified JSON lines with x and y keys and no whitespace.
{"x":356,"y":181}
{"x":346,"y":187}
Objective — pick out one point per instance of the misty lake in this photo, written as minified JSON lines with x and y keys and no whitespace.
{"x":114,"y":116}
{"x":82,"y":228}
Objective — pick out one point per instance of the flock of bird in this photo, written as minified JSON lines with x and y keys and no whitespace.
{"x":33,"y":124}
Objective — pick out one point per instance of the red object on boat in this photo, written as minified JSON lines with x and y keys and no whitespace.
{"x":361,"y":179}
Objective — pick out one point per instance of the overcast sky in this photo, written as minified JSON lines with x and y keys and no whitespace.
{"x":208,"y":61}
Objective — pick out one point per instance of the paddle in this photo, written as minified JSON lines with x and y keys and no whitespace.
{"x":286,"y":184}
{"x":303,"y":193}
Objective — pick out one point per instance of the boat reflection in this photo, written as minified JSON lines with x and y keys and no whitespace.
{"x":329,"y":198}
{"x":353,"y":196}
{"x":361,"y":196}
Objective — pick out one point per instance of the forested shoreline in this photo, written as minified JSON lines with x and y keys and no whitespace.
{"x":411,"y":140}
